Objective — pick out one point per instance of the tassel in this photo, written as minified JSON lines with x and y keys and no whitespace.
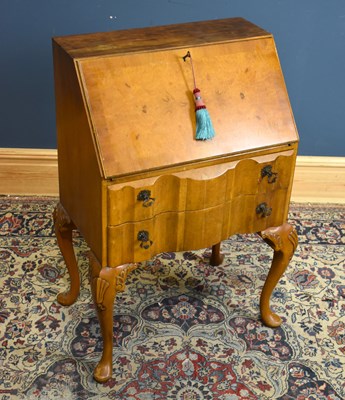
{"x":204,"y":127}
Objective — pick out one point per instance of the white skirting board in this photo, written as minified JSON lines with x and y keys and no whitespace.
{"x":35,"y":172}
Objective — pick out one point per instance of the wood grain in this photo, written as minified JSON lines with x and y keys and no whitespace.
{"x":319,"y":180}
{"x":159,"y":37}
{"x":28,"y":172}
{"x":176,"y":193}
{"x":192,"y":214}
{"x":142,"y":111}
{"x":80,"y":177}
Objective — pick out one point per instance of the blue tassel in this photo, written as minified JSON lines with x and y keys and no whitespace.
{"x":204,"y":127}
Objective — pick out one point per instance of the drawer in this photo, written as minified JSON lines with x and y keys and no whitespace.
{"x":168,"y":193}
{"x":197,"y":189}
{"x":191,"y":230}
{"x":139,"y":241}
{"x":252,"y":177}
{"x":251,"y":213}
{"x":247,"y":213}
{"x":140,"y":200}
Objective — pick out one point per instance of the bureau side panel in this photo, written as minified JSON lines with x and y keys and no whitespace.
{"x":80,"y":182}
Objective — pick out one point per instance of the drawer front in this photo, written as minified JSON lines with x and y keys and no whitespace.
{"x":251,"y":177}
{"x":260,"y":195}
{"x":244,"y":214}
{"x":132,"y":203}
{"x":139,"y":241}
{"x":191,"y":230}
{"x":167,"y":193}
{"x":253,"y":213}
{"x":175,"y":213}
{"x":142,"y":200}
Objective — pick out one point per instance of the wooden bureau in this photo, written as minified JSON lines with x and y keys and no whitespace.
{"x":133,"y":178}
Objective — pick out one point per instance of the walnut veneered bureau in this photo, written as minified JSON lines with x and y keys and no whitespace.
{"x":133,"y":178}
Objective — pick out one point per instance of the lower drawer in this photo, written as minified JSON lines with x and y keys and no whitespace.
{"x":139,"y":241}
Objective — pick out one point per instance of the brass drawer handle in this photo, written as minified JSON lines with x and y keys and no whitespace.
{"x":144,"y":238}
{"x":263,"y":210}
{"x":267,"y":171}
{"x":145,"y":197}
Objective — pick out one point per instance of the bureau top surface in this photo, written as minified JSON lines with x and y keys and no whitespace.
{"x":158,"y":38}
{"x":140,"y":104}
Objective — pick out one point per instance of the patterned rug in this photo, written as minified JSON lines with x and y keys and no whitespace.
{"x":183,"y":330}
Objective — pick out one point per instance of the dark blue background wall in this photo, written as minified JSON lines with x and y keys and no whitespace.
{"x":310,"y":36}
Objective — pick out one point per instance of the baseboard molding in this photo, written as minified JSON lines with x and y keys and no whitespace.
{"x":319,"y":180}
{"x":28,"y":172}
{"x":35,"y":172}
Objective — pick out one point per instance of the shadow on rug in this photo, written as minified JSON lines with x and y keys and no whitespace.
{"x":182,"y":329}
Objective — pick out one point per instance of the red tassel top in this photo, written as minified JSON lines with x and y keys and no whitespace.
{"x":199,"y":104}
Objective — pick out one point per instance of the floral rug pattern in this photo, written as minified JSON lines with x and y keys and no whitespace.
{"x":183,"y":330}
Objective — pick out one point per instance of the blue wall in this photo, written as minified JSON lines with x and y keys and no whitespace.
{"x":310,"y":36}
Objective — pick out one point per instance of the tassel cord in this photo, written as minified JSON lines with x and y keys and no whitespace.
{"x":188,"y":55}
{"x":204,"y":127}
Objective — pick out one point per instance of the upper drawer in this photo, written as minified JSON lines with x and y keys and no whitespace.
{"x":197,"y":189}
{"x":140,"y":200}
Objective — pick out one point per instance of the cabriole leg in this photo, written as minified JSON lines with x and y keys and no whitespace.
{"x":63,"y":229}
{"x":105,"y":283}
{"x":283,"y":240}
